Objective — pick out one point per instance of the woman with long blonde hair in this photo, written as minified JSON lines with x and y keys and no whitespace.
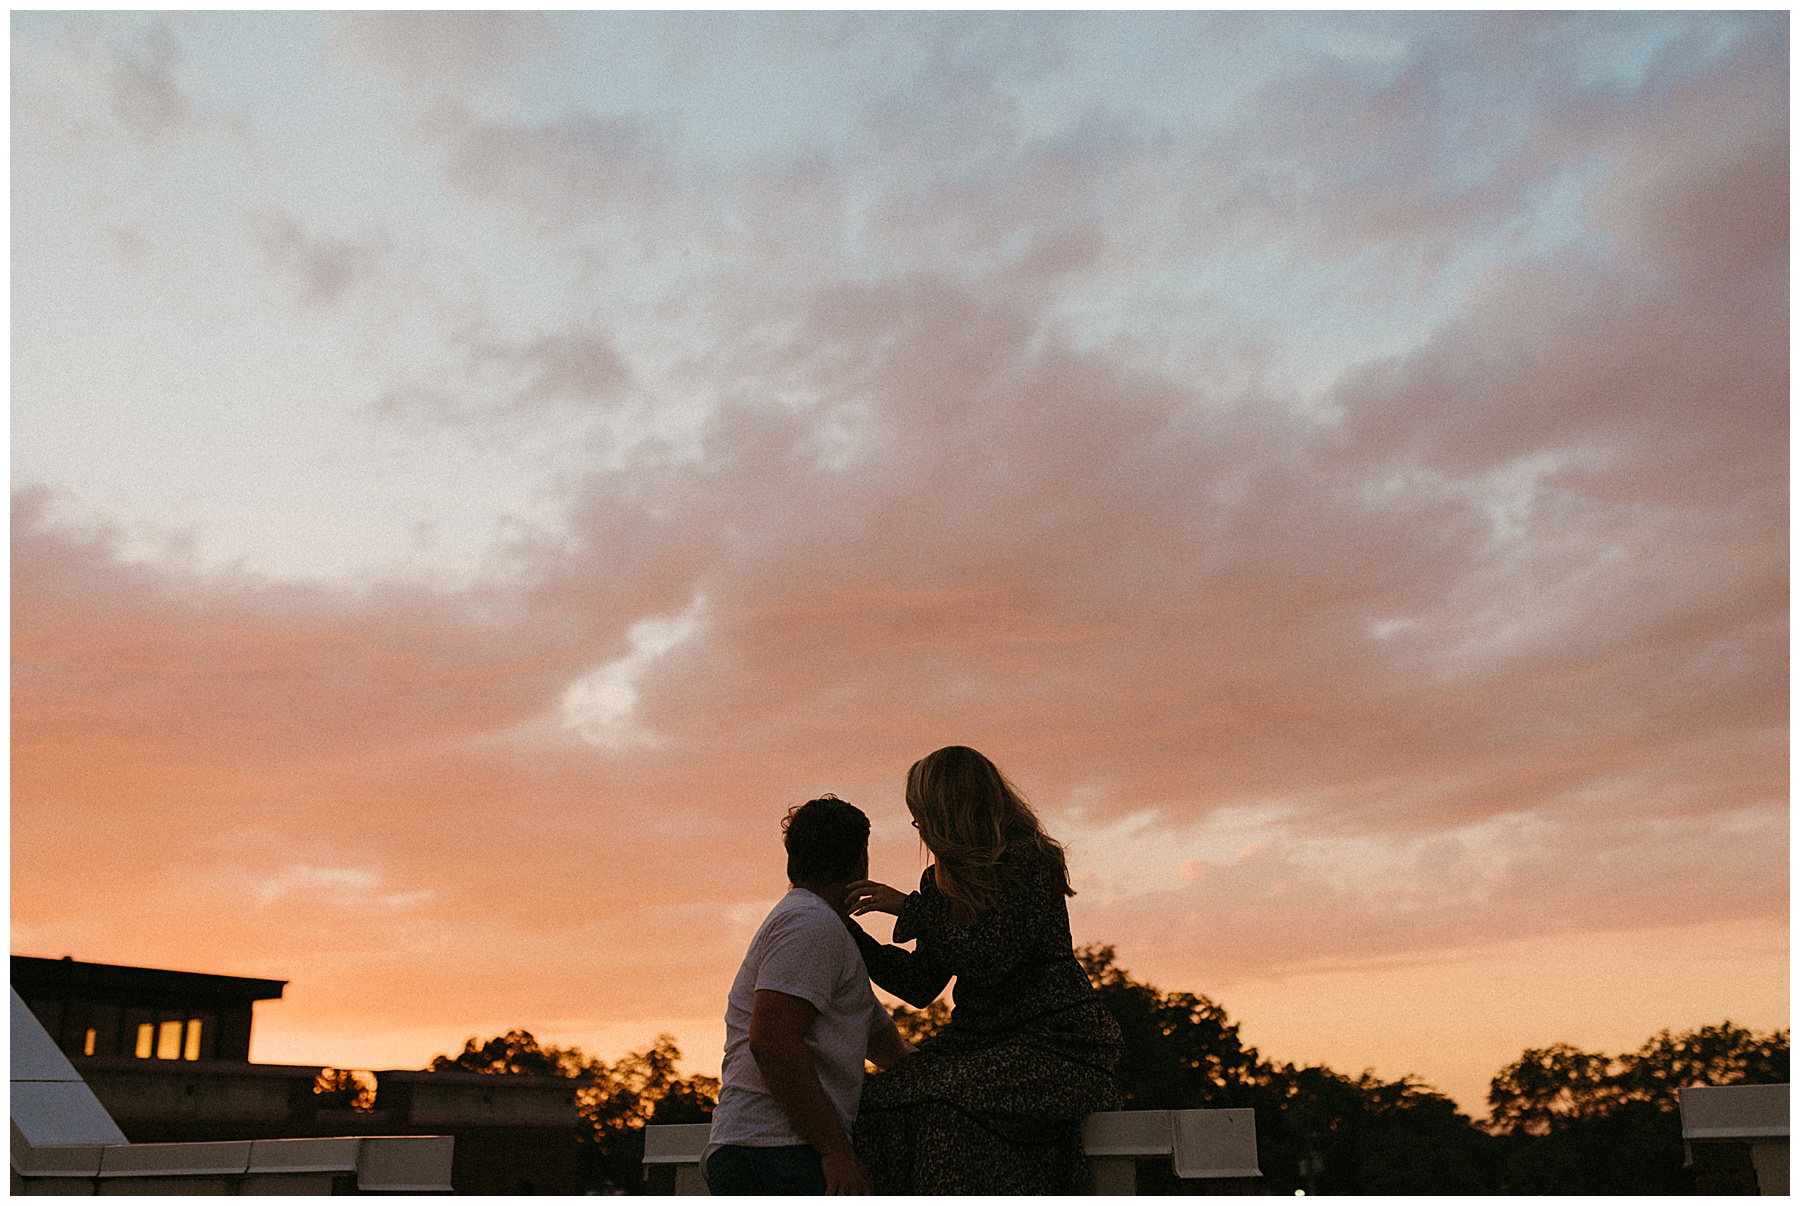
{"x":992,"y":1103}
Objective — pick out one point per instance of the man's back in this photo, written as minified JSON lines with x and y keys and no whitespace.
{"x":800,"y":1020}
{"x":804,"y":950}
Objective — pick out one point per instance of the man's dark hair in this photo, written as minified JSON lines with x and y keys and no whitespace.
{"x":826,"y":839}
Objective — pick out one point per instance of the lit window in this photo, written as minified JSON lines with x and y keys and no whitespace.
{"x":168,"y":1041}
{"x":87,"y":1044}
{"x":191,"y":1050}
{"x":146,"y":1040}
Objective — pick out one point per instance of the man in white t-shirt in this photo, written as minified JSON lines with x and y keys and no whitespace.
{"x":800,"y":1020}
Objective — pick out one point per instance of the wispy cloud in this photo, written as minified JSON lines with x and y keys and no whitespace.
{"x":600,"y":705}
{"x":324,"y":267}
{"x":349,"y":888}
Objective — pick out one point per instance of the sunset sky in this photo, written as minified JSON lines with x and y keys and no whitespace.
{"x":472,"y":473}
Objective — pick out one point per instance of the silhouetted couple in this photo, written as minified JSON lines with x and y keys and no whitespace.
{"x":993,"y":1102}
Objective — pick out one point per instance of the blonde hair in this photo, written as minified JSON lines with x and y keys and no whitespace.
{"x":970,"y":816}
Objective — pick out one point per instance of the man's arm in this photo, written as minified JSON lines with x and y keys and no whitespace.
{"x":886,"y":1047}
{"x":778,"y":1026}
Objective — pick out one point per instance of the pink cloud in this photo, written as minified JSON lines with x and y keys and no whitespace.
{"x":444,"y":49}
{"x":325,"y":268}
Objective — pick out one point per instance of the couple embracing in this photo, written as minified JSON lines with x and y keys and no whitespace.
{"x":993,"y":1103}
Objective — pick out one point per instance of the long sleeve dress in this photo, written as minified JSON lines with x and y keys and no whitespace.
{"x":993,"y":1103}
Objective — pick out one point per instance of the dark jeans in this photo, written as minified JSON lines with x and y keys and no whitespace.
{"x":764,"y":1170}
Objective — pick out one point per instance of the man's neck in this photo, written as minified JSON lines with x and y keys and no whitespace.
{"x":831,"y":894}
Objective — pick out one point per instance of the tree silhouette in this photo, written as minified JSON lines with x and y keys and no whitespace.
{"x":1711,"y":1055}
{"x":615,"y":1101}
{"x":1578,"y":1121}
{"x":345,"y":1089}
{"x":1564,"y":1120}
{"x":1316,"y":1129}
{"x":515,"y":1053}
{"x":917,"y":1025}
{"x":1181,"y":1049}
{"x":1550,"y":1085}
{"x":1550,"y":1088}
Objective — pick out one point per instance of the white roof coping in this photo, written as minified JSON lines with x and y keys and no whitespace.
{"x":228,"y":1158}
{"x":1215,"y":1143}
{"x":69,"y":1160}
{"x":1205,"y":1144}
{"x":405,"y":1163}
{"x":58,"y":1113}
{"x":35,"y":1055}
{"x":675,"y":1143}
{"x":303,"y":1155}
{"x":1128,"y":1133}
{"x":1734,"y":1111}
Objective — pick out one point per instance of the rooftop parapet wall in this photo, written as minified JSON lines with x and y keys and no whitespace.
{"x":366,"y":1164}
{"x":1213,"y":1151}
{"x":514,"y":1134}
{"x":148,"y":1096}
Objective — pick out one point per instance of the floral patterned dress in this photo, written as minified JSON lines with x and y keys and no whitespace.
{"x":993,"y":1103}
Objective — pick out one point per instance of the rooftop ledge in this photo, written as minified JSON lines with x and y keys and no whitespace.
{"x":1210,"y":1145}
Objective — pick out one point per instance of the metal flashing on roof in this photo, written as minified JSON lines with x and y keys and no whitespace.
{"x":1734,"y":1112}
{"x":1215,"y":1144}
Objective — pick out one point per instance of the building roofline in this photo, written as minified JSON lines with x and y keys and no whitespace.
{"x":33,"y":972}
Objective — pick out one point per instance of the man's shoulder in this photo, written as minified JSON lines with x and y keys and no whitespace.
{"x":804,"y":949}
{"x":801,"y":913}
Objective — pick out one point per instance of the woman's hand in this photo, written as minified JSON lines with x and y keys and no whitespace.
{"x":867,"y":896}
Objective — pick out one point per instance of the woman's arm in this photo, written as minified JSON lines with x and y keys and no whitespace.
{"x":913,"y":976}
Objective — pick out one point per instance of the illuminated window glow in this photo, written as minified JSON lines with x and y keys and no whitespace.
{"x":146,"y":1037}
{"x":87,"y":1044}
{"x":191,"y":1050}
{"x":168,"y":1041}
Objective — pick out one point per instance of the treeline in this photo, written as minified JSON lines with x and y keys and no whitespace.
{"x":1562,"y":1120}
{"x":616,"y":1101}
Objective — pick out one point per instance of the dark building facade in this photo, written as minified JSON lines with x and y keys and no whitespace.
{"x":168,"y":1055}
{"x":514,"y":1134}
{"x":105,"y":1010}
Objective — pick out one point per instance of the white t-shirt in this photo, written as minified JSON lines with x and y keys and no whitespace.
{"x":803,"y":949}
